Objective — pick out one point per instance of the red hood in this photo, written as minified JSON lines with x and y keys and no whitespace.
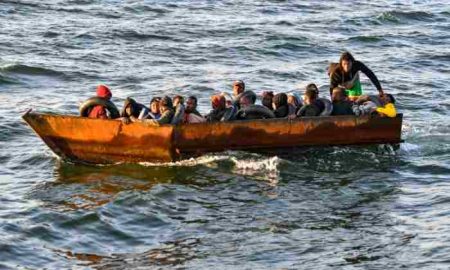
{"x":103,"y":91}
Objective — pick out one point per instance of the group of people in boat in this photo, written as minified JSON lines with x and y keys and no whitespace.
{"x":345,"y":92}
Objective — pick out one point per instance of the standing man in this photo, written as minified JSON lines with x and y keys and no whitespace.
{"x":345,"y":74}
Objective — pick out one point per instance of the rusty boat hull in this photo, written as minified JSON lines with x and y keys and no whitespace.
{"x":101,"y":141}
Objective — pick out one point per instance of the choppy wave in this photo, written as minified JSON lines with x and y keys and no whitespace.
{"x":132,"y":34}
{"x":401,"y":16}
{"x":7,"y":80}
{"x":30,"y":70}
{"x":368,"y":39}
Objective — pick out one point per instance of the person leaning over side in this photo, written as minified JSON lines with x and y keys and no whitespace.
{"x":346,"y":74}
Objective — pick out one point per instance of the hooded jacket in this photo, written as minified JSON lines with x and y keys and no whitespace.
{"x":281,"y":105}
{"x":99,"y":111}
{"x":338,"y":76}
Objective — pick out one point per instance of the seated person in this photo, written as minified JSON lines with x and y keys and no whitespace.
{"x":294,"y":103}
{"x":177,"y":100}
{"x":382,"y":105}
{"x":218,"y":104}
{"x":341,"y":104}
{"x":317,"y":102}
{"x":166,"y":111}
{"x":239,"y":91}
{"x":248,"y":110}
{"x":280,"y":105}
{"x":388,"y":109}
{"x":238,"y":88}
{"x":191,"y":115}
{"x":179,"y":108}
{"x":133,"y":109}
{"x":154,"y":109}
{"x":99,"y":111}
{"x":266,"y":100}
{"x":310,"y":107}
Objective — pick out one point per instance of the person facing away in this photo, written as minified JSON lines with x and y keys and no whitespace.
{"x":383,"y":105}
{"x":191,"y":115}
{"x":266,"y":100}
{"x":218,"y":104}
{"x":312,"y":87}
{"x":280,"y":105}
{"x":310,"y":107}
{"x":346,"y":74}
{"x":341,"y":104}
{"x":99,"y":111}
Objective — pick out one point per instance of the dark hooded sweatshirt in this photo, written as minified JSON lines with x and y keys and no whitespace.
{"x":136,"y":108}
{"x":281,"y":105}
{"x":338,"y":77}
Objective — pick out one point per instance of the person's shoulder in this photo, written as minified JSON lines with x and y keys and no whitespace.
{"x":336,"y":73}
{"x":358,"y":64}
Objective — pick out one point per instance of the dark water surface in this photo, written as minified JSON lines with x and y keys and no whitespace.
{"x":318,"y":208}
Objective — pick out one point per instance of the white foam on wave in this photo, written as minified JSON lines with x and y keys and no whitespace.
{"x":267,"y":164}
{"x":264,"y":169}
{"x":191,"y":162}
{"x":433,"y":127}
{"x":409,"y":147}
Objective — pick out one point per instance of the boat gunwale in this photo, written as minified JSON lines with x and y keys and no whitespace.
{"x":285,"y":119}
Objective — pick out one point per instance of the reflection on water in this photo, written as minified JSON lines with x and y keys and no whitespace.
{"x":171,"y":253}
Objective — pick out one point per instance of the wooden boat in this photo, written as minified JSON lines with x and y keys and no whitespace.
{"x":89,"y":140}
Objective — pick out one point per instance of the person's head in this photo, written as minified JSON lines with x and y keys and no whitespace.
{"x":154,"y":105}
{"x":191,"y":104}
{"x":238,"y":87}
{"x":267,"y":97}
{"x":103,"y":92}
{"x":218,"y":102}
{"x":165,"y":104}
{"x":338,"y":94}
{"x":130,"y":107}
{"x":310,"y":96}
{"x":294,"y":100}
{"x":177,"y":100}
{"x":346,"y":61}
{"x":279,"y":100}
{"x":245,"y":101}
{"x":312,"y":87}
{"x":387,"y":98}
